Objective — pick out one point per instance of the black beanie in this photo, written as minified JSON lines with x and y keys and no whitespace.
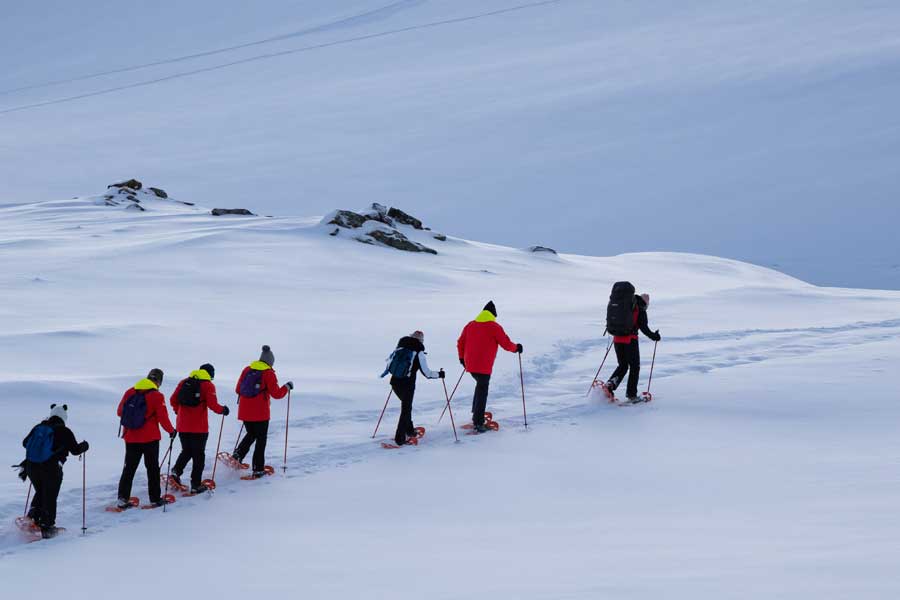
{"x":209,"y":369}
{"x":156,"y":376}
{"x":491,"y":308}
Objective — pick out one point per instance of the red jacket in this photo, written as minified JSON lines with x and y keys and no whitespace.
{"x":194,"y":419}
{"x":157,"y":415}
{"x":256,"y":408}
{"x":627,"y":339}
{"x":477,"y":345}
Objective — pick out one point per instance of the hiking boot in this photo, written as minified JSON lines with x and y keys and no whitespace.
{"x":160,"y":502}
{"x":632,"y":399}
{"x":481,"y":428}
{"x":123,"y":503}
{"x":176,"y":477}
{"x":237,"y":458}
{"x":199,"y":489}
{"x":258,"y":474}
{"x":49,"y":532}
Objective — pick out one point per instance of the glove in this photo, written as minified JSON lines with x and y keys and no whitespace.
{"x":441,"y":374}
{"x":289,"y":385}
{"x":225,"y":411}
{"x":462,"y":362}
{"x":83,"y":447}
{"x":519,"y":349}
{"x":656,"y":337}
{"x":173,"y":434}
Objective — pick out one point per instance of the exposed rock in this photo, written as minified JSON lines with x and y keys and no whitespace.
{"x":440,"y":237}
{"x":218,"y":212}
{"x":336,"y":231}
{"x":378,"y":212}
{"x":159,"y":193}
{"x":395,"y":239}
{"x":542,"y":249}
{"x":132,"y":198}
{"x":134,"y":206}
{"x":345,"y":218}
{"x":186,"y":203}
{"x":404,"y":218}
{"x":131,"y":183}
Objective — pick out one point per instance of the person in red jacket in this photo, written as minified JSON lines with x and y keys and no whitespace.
{"x":256,"y":386}
{"x":477,"y":347}
{"x":192,"y":399}
{"x":143,"y":411}
{"x":628,"y":351}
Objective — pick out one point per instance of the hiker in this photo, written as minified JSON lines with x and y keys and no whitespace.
{"x":255,"y":388}
{"x":628,"y":351}
{"x":143,"y":411}
{"x":404,"y":364}
{"x":47,"y":446}
{"x":477,"y":347}
{"x":192,"y":399}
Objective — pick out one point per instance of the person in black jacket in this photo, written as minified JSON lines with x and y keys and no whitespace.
{"x":405,"y":387}
{"x":46,"y":476}
{"x":628,"y":351}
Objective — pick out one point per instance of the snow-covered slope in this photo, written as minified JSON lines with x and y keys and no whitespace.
{"x":765,"y":466}
{"x":765,"y":131}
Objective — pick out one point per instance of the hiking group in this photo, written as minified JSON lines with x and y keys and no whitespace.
{"x":142,"y":409}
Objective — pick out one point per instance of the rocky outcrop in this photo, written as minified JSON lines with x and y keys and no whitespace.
{"x":218,"y":212}
{"x":133,"y":184}
{"x":440,"y":237}
{"x":159,"y":193}
{"x":542,"y":249}
{"x":132,"y":194}
{"x":377,"y":225}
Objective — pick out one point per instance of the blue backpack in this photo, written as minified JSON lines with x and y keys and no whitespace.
{"x":251,"y":384}
{"x":39,"y":448}
{"x":134,"y":412}
{"x":401,"y":362}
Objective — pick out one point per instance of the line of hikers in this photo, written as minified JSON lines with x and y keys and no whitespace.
{"x":142,"y":410}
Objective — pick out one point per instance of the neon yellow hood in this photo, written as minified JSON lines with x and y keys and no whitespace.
{"x":145,"y":384}
{"x":485,"y":317}
{"x":258,"y":365}
{"x":200,"y":374}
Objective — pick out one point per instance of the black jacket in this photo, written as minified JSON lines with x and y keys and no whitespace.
{"x":63,"y":440}
{"x":642,"y":324}
{"x":410,"y":343}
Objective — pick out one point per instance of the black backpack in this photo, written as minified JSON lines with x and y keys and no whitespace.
{"x":189,"y":394}
{"x":251,"y":384}
{"x":620,"y":310}
{"x":134,"y":412}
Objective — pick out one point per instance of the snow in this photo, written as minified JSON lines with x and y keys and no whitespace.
{"x":761,"y":131}
{"x":765,"y":467}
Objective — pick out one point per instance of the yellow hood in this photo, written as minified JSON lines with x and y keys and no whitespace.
{"x":145,"y":384}
{"x":258,"y":365}
{"x":200,"y":374}
{"x":485,"y":317}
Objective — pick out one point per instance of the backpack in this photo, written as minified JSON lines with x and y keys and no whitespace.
{"x":620,"y":310}
{"x":189,"y":394}
{"x":251,"y":384}
{"x":134,"y":411}
{"x":39,"y":448}
{"x":400,"y":363}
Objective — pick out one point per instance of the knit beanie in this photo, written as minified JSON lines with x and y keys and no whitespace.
{"x":267,"y":356}
{"x":491,"y":308}
{"x":209,"y":369}
{"x":418,"y":335}
{"x":156,"y":376}
{"x":646,"y":299}
{"x":59,"y":410}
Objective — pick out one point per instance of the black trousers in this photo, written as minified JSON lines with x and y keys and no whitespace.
{"x":149,"y":451}
{"x":479,"y":400}
{"x":193,"y":449}
{"x":629,"y":357}
{"x":47,"y":479}
{"x":405,"y":390}
{"x":257,"y":432}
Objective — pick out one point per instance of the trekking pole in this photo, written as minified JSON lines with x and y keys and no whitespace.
{"x":382,"y":413}
{"x":216,"y":458}
{"x":27,"y":498}
{"x":83,"y":459}
{"x":287,"y":426}
{"x":603,"y":362}
{"x":453,"y":393}
{"x":168,"y":471}
{"x":162,"y":462}
{"x":238,"y":440}
{"x":652,"y":364}
{"x":452,"y":422}
{"x":522,"y":380}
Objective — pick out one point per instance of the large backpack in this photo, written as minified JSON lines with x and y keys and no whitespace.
{"x":134,"y":411}
{"x":251,"y":384}
{"x":39,"y":448}
{"x":620,"y":310}
{"x":400,"y":363}
{"x":189,"y":394}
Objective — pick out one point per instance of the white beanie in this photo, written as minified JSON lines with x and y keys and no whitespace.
{"x":418,"y":335}
{"x":646,"y":298}
{"x":59,"y":410}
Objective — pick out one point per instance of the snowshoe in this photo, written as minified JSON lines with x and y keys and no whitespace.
{"x":232,"y":461}
{"x":196,"y":491}
{"x":166,"y":499}
{"x":27,"y":525}
{"x":174,"y":482}
{"x":259,"y":474}
{"x":50,"y":532}
{"x":122,"y":505}
{"x":609,"y":392}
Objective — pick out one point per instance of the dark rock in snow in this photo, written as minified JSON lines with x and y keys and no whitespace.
{"x":542,"y":249}
{"x":159,"y":193}
{"x":218,"y":212}
{"x":379,"y":213}
{"x":348,"y":219}
{"x":404,"y":218}
{"x":131,"y":183}
{"x":440,"y":237}
{"x":336,"y":231}
{"x":397,"y":240}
